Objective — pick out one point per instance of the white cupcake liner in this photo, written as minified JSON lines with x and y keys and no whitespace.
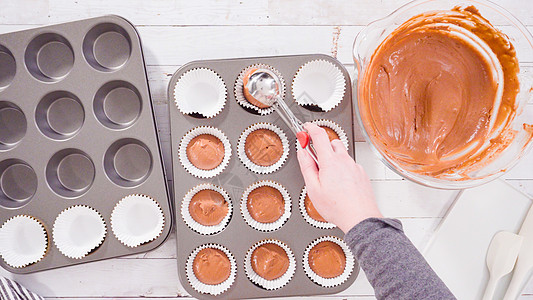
{"x":266,"y":227}
{"x":262,"y":282}
{"x":333,"y":126}
{"x":239,"y":89}
{"x":307,"y":217}
{"x":329,"y":282}
{"x":199,"y":228}
{"x":142,"y":209}
{"x":184,"y":159}
{"x":28,"y":230}
{"x":241,"y":151}
{"x":305,"y":83}
{"x":189,"y":92}
{"x":209,"y":288}
{"x":79,"y":221}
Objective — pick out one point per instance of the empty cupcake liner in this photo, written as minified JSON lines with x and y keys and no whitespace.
{"x":266,"y":227}
{"x":200,"y":91}
{"x":239,"y":89}
{"x":199,"y":228}
{"x":329,"y":282}
{"x":78,"y":230}
{"x":308,"y":86}
{"x":241,"y":151}
{"x":307,"y":218}
{"x":184,"y":159}
{"x":333,"y":126}
{"x":23,"y":241}
{"x":208,"y":288}
{"x":262,"y":282}
{"x":137,"y":219}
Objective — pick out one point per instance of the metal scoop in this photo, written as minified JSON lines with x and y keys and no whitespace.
{"x":264,"y":86}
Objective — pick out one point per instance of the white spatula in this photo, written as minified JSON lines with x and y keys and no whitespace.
{"x":524,"y":264}
{"x":501,"y":258}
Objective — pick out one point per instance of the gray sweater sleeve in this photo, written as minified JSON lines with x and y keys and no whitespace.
{"x":391,"y":262}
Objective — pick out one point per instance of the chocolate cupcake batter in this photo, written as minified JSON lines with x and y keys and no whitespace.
{"x":205,"y":152}
{"x":208,"y":207}
{"x":270,"y":261}
{"x":211,"y":266}
{"x":311,"y":210}
{"x":430,"y":100}
{"x":327,"y":259}
{"x":263,"y":147}
{"x":332,"y":135}
{"x":246,"y":92}
{"x":265,"y":204}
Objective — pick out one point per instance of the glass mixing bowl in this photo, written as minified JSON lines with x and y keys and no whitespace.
{"x":371,"y":37}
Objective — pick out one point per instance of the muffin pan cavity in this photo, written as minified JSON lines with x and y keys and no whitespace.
{"x":60,"y":115}
{"x":70,"y":172}
{"x":8,"y":67}
{"x":49,"y":57}
{"x":77,"y":129}
{"x":253,"y":136}
{"x":107,"y":47}
{"x":128,"y":162}
{"x":117,"y":104}
{"x":18,"y":183}
{"x":13,"y":125}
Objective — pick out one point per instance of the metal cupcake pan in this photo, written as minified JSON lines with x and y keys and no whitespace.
{"x":239,"y":237}
{"x":78,"y":128}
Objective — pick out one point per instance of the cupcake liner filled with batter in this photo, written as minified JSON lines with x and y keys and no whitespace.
{"x":137,"y":220}
{"x":204,"y":151}
{"x":328,"y":261}
{"x":207,"y":209}
{"x":200,"y":91}
{"x":211,"y":269}
{"x":78,"y":231}
{"x":23,"y":241}
{"x":266,"y":205}
{"x":333,"y":130}
{"x":319,"y":83}
{"x":245,"y":99}
{"x":310,"y":213}
{"x":263,"y":148}
{"x":270,"y":264}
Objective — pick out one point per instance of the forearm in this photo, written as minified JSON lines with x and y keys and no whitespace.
{"x":392,"y":264}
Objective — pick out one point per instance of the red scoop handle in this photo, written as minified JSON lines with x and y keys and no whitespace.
{"x":303,"y":138}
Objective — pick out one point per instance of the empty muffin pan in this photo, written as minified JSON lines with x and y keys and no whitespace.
{"x":233,"y":119}
{"x":77,"y":128}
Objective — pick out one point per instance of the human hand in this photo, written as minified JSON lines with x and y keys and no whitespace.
{"x":338,"y":187}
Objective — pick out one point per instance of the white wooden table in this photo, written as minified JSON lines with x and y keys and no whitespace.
{"x":175,"y":32}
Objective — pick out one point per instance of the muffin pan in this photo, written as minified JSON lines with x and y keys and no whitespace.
{"x":77,"y":127}
{"x":238,"y":237}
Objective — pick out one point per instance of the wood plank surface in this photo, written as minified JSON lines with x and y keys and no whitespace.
{"x":175,"y":32}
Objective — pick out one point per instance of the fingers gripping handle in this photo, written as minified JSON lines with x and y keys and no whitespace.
{"x":296,"y":127}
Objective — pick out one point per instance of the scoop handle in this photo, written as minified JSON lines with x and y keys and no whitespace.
{"x":296,"y":126}
{"x":305,"y":141}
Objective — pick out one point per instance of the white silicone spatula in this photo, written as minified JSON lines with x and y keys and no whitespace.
{"x":524,"y":264}
{"x":501,"y":258}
